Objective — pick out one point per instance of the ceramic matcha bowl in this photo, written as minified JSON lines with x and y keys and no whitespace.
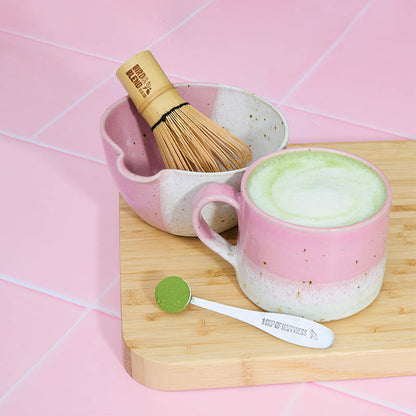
{"x":163,"y":197}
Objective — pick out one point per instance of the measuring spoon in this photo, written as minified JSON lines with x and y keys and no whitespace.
{"x":173,"y":294}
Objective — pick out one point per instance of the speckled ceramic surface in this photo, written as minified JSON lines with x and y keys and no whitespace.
{"x":318,"y":273}
{"x":163,"y":197}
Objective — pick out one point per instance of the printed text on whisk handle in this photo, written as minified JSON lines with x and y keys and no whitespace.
{"x":140,"y":80}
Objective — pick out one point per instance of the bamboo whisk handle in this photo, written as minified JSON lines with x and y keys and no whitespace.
{"x":187,"y":139}
{"x":149,"y":88}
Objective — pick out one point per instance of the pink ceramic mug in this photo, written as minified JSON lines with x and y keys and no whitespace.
{"x":319,"y":273}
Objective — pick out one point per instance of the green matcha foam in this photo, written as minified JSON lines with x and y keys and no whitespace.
{"x":316,"y":189}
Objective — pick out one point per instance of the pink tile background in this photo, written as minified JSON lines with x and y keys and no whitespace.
{"x":339,"y":71}
{"x":111,"y":29}
{"x":368,"y":76}
{"x":257,"y":47}
{"x":40,"y":81}
{"x":60,"y":220}
{"x":28,"y":338}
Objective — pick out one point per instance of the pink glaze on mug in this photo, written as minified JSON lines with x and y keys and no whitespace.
{"x":319,"y":273}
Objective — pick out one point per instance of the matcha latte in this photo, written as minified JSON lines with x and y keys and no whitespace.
{"x":316,"y":189}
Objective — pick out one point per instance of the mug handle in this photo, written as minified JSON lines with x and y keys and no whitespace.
{"x":215,"y":192}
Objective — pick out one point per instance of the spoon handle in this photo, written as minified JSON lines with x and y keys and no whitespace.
{"x":293,"y":329}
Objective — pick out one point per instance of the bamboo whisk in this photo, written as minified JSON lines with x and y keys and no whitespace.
{"x":187,"y":139}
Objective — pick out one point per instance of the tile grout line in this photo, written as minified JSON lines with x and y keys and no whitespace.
{"x":57,"y":343}
{"x":293,"y":400}
{"x":59,"y":296}
{"x":60,"y":46}
{"x":327,"y":52}
{"x":179,"y":25}
{"x":107,"y":311}
{"x":54,"y":148}
{"x":51,"y":122}
{"x":368,"y":399}
{"x":346,"y":120}
{"x":107,"y":58}
{"x":43,"y":358}
{"x":71,"y":106}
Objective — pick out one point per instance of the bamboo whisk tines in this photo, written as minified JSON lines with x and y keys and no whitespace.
{"x":186,"y":138}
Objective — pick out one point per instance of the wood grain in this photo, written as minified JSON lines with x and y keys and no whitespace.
{"x":201,"y":349}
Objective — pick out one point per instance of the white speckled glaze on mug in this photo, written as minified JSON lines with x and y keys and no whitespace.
{"x":163,"y":197}
{"x":318,"y":273}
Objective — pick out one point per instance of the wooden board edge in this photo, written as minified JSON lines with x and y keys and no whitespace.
{"x":252,"y":371}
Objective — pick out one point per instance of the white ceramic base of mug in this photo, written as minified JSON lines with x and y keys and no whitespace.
{"x":319,"y":302}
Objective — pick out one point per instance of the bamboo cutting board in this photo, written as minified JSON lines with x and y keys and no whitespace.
{"x":201,"y":349}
